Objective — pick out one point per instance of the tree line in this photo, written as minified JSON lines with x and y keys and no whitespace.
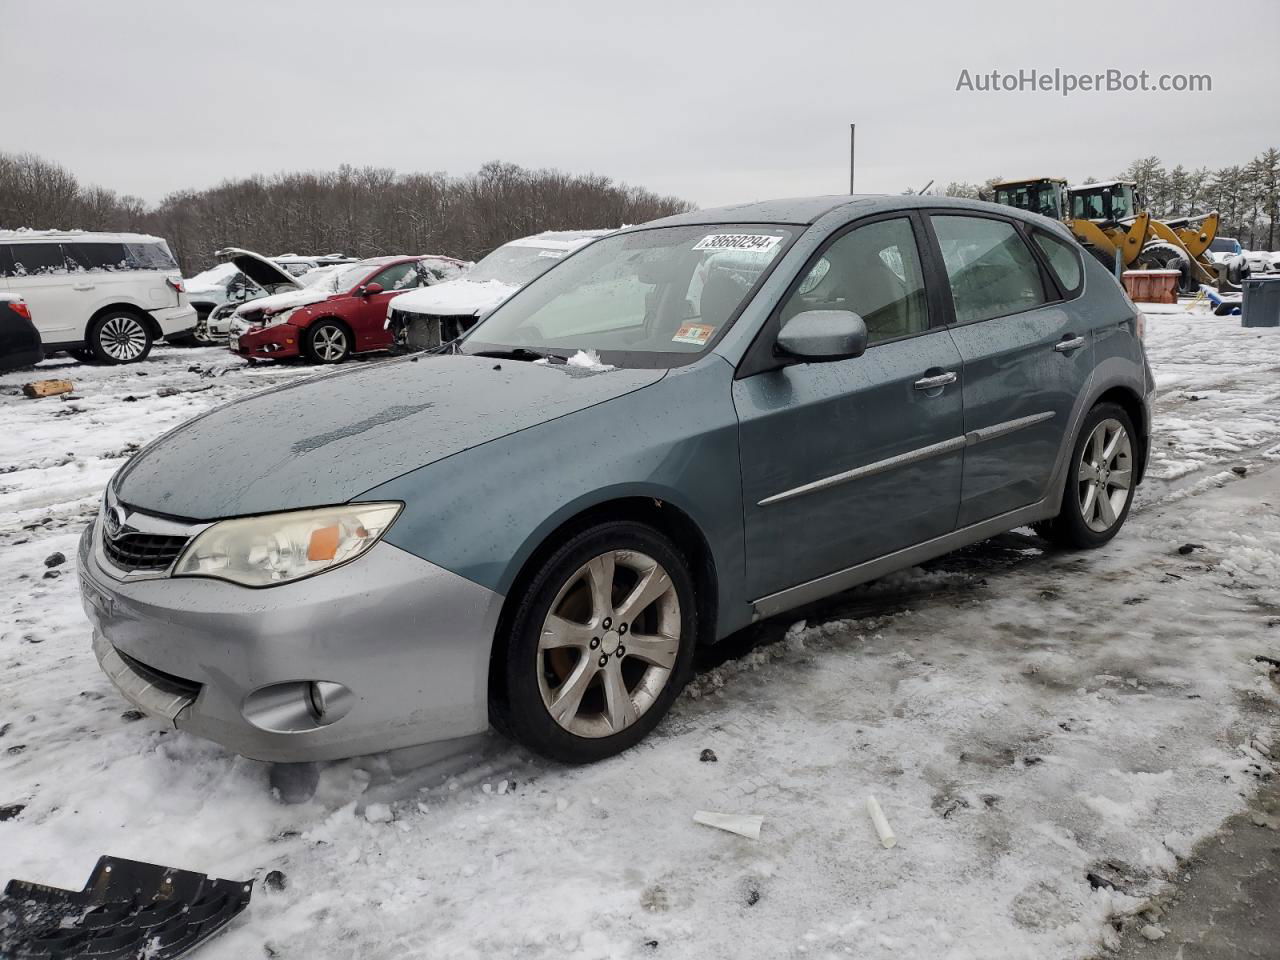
{"x":1246,"y":195}
{"x":357,"y":211}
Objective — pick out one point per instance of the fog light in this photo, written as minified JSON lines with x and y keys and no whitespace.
{"x":297,"y":706}
{"x":329,"y":701}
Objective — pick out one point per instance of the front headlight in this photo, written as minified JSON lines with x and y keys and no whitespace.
{"x":280,"y":547}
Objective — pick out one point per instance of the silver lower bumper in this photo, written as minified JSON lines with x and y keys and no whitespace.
{"x":410,"y":641}
{"x":136,"y":686}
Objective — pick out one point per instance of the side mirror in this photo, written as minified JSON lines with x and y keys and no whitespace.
{"x":369,"y":289}
{"x":822,"y":335}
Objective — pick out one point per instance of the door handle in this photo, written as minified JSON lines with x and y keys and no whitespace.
{"x":933,"y":383}
{"x":1066,"y":346}
{"x":82,"y":286}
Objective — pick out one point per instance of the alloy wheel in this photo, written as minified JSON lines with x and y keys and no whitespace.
{"x":330,"y":344}
{"x":122,"y":338}
{"x":1104,"y":475}
{"x":609,"y":643}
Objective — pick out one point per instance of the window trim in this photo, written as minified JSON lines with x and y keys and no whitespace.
{"x":760,"y":356}
{"x":1052,"y":292}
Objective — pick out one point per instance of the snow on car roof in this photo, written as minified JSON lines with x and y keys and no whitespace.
{"x":28,"y":235}
{"x":559,"y":239}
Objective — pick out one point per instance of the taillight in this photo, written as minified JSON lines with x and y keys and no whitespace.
{"x":20,"y":308}
{"x":176,"y":284}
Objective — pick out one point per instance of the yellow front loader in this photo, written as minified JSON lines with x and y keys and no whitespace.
{"x":1108,"y":219}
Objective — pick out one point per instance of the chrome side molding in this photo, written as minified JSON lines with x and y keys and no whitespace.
{"x":911,"y":456}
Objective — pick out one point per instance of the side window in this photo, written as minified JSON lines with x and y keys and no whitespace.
{"x":1064,"y":260}
{"x":991,"y":270}
{"x":149,"y":256}
{"x":37,"y":259}
{"x":873,"y":271}
{"x":96,"y":256}
{"x":399,"y":277}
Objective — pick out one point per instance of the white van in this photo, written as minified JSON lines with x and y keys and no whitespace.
{"x":102,"y":297}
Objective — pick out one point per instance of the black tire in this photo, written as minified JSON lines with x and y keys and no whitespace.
{"x":1165,"y":256}
{"x":327,"y":341}
{"x":1070,"y":528}
{"x":82,"y":354}
{"x":120,"y":336}
{"x":518,"y":672}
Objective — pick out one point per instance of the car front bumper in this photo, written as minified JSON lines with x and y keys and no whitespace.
{"x":408,"y":642}
{"x":278,"y":342}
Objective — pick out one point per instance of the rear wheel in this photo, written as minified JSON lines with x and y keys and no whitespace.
{"x":600,"y":645}
{"x":328,"y":342}
{"x":119,"y":337}
{"x":1101,"y":478}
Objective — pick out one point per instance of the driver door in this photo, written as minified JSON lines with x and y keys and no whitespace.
{"x":846,"y":461}
{"x":370,"y":313}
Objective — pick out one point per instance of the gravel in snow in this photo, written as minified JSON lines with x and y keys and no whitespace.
{"x":1047,"y":733}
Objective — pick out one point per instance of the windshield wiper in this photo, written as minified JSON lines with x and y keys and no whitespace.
{"x":521,"y":353}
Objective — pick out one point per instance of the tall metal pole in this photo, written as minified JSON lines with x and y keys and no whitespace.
{"x":853,"y":133}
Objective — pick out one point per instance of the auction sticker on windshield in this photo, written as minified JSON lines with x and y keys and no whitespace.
{"x":695,"y":333}
{"x":754,"y":242}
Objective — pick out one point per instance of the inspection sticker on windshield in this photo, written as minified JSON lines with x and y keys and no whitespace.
{"x":752,"y":242}
{"x":696,"y":333}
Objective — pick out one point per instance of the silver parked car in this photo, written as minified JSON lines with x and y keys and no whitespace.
{"x":679,"y":429}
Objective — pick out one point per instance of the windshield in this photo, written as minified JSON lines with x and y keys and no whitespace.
{"x":653,"y":298}
{"x":337,"y":279}
{"x":1038,"y":198}
{"x":516,"y":265}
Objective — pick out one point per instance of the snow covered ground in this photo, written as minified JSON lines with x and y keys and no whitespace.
{"x":1026,"y":718}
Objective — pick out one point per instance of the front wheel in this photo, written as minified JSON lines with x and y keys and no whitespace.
{"x":600,"y":645}
{"x":1101,"y":477}
{"x":327,"y":342}
{"x":119,"y":337}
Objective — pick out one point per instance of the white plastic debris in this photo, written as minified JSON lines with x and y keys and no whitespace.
{"x":744,"y":824}
{"x":881,"y":822}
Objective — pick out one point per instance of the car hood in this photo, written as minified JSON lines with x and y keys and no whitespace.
{"x":328,"y":439}
{"x":260,"y":270}
{"x":287,"y":300}
{"x":455,"y":298}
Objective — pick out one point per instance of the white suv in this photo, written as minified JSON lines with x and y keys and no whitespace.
{"x":103,"y":297}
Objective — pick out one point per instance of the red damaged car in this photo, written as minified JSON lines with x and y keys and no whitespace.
{"x":331,"y":312}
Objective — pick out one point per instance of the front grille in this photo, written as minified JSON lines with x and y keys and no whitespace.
{"x":143,"y":551}
{"x":425,"y":331}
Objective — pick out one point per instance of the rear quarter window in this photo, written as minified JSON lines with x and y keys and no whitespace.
{"x":149,"y":256}
{"x":1064,"y":262}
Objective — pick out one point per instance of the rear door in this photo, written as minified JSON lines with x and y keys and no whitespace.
{"x":38,"y":273}
{"x":1026,"y":358}
{"x":849,"y":460}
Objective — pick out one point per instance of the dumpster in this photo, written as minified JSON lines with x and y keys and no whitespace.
{"x":1151,"y":286}
{"x":1261,"y":305}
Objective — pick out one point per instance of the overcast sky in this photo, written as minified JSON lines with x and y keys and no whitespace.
{"x":713,"y":102}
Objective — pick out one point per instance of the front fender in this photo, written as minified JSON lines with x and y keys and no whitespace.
{"x":483,"y":512}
